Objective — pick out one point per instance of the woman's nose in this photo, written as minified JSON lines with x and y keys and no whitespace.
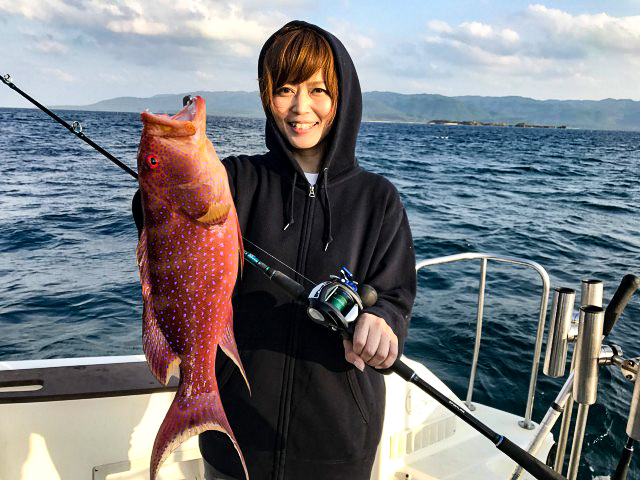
{"x":301,"y":101}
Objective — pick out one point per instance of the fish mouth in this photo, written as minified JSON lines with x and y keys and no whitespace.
{"x":188,"y":112}
{"x":184,"y":123}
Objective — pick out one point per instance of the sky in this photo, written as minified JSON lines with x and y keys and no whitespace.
{"x":77,"y":52}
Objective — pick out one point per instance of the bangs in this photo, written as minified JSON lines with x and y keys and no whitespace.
{"x":301,"y":56}
{"x":295,"y":56}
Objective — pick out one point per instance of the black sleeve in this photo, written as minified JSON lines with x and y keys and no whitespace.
{"x":392,"y":273}
{"x":230,"y":164}
{"x":136,"y":210}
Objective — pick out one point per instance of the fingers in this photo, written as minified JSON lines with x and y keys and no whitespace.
{"x":373,"y":343}
{"x":351,"y":357}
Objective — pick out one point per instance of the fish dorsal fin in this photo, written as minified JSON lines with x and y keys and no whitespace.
{"x":217,"y":213}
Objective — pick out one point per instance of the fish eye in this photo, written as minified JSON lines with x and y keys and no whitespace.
{"x":152,"y":161}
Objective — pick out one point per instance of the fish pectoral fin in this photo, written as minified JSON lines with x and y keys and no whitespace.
{"x":162,"y":360}
{"x":217,"y":213}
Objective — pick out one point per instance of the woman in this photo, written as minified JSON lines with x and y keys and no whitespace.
{"x":311,"y":414}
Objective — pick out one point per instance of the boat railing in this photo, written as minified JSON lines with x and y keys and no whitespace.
{"x":484,"y":258}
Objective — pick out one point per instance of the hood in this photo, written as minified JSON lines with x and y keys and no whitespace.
{"x":340,"y":155}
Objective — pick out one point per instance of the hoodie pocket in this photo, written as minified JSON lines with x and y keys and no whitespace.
{"x":356,"y":391}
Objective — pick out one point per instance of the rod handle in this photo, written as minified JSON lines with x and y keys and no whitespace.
{"x":402,"y":369}
{"x":628,"y":286}
{"x":530,"y":463}
{"x":289,"y":285}
{"x":625,"y":459}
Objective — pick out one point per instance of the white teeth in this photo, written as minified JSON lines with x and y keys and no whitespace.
{"x":302,"y":126}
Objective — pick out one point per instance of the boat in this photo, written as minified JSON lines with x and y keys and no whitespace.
{"x":80,"y":418}
{"x":72,"y":418}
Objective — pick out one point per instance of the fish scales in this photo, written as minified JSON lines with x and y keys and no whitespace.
{"x":189,"y":253}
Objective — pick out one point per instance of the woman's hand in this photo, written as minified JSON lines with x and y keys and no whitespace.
{"x":374,"y":343}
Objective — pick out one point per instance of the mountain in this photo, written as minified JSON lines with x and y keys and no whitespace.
{"x":233,"y":104}
{"x":609,"y":114}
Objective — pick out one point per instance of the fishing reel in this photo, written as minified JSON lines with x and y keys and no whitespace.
{"x":335,"y":304}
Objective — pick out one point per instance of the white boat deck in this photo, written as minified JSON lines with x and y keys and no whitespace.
{"x":110,"y":438}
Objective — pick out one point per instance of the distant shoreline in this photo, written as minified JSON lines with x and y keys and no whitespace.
{"x":365,"y":119}
{"x":474,"y":123}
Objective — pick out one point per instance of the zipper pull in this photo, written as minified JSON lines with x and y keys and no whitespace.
{"x":312,"y":191}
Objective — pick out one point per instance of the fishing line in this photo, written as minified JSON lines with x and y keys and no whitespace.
{"x":76,"y":129}
{"x":278,"y":260}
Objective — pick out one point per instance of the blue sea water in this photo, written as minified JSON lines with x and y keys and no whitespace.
{"x":566,"y":199}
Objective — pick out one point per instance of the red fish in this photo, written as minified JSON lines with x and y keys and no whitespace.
{"x":188,"y":254}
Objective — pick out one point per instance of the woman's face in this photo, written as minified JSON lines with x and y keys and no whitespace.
{"x":303,"y":112}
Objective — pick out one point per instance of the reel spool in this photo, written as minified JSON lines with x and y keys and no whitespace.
{"x":335,"y":304}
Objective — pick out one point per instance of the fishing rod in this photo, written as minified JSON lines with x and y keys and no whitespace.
{"x":335,"y":304}
{"x":75,"y":127}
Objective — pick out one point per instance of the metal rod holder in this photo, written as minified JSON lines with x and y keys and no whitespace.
{"x":585,"y":386}
{"x":555,"y":359}
{"x":591,"y":292}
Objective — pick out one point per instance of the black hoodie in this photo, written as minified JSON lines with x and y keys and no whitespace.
{"x":311,"y":414}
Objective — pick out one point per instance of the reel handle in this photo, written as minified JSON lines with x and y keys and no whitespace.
{"x":628,"y":286}
{"x":368,"y":295}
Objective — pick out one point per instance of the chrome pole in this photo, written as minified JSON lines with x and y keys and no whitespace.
{"x":476,"y":347}
{"x":555,"y":359}
{"x":565,"y":425}
{"x":585,"y":386}
{"x":578,"y":437}
{"x":591,"y":292}
{"x":547,"y":423}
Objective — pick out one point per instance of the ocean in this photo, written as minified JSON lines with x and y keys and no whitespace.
{"x":566,"y":199}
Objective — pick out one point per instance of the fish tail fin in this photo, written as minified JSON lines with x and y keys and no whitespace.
{"x":189,"y":415}
{"x":162,"y":361}
{"x":229,"y":347}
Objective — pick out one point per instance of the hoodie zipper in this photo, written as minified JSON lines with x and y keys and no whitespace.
{"x":289,"y":367}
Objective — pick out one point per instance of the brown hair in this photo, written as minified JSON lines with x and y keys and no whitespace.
{"x":294,"y":56}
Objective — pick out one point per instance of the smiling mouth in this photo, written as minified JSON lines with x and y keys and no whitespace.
{"x":301,"y":127}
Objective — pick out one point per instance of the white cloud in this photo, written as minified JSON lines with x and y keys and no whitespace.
{"x":57,"y":74}
{"x":145,"y":47}
{"x":438,"y":26}
{"x":617,"y":35}
{"x":358,"y":44}
{"x":164,"y":19}
{"x":541,"y":46}
{"x":48,"y":46}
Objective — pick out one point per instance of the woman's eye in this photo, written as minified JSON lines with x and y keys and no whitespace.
{"x":284,"y":91}
{"x":320,"y":90}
